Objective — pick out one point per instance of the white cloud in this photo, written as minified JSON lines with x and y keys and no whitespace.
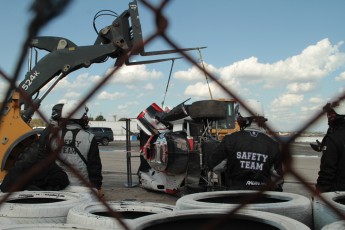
{"x":298,"y":74}
{"x":341,"y":77}
{"x":110,"y":96}
{"x":72,"y":95}
{"x":133,"y":74}
{"x":202,"y":90}
{"x":3,"y":88}
{"x":300,"y":87}
{"x":149,"y":86}
{"x":285,"y":101}
{"x":317,"y":100}
{"x":194,"y":73}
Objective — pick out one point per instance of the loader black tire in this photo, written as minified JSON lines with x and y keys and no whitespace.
{"x":97,"y":215}
{"x":217,"y":219}
{"x":210,"y":109}
{"x":28,"y":207}
{"x":292,"y":205}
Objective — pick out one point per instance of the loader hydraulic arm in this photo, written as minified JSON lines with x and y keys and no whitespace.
{"x":63,"y":61}
{"x":113,"y":41}
{"x":66,"y":57}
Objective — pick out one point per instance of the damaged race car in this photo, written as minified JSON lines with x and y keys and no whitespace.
{"x":175,"y":144}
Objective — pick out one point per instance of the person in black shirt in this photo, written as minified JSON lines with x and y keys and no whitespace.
{"x":331,"y":176}
{"x":253,"y":159}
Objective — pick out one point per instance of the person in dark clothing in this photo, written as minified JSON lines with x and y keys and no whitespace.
{"x":331,"y":176}
{"x":253,"y":159}
{"x":50,"y":177}
{"x":78,"y":147}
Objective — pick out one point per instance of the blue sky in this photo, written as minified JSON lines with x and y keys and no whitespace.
{"x":287,"y":54}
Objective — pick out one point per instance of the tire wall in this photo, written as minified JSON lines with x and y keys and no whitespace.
{"x":323,"y":214}
{"x":201,"y":218}
{"x":287,"y":204}
{"x":39,"y":206}
{"x":87,"y":213}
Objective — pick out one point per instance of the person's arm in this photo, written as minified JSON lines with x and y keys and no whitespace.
{"x":219,"y":153}
{"x":94,"y":166}
{"x":277,"y":169}
{"x":328,"y":165}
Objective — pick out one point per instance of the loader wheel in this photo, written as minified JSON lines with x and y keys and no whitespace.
{"x":29,"y":153}
{"x":208,"y":109}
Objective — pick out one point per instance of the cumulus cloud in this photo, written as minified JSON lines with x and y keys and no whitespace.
{"x":316,"y":100}
{"x":72,"y":95}
{"x":110,"y":96}
{"x":194,"y":73}
{"x":134,"y":74}
{"x":3,"y":88}
{"x":341,"y":77}
{"x":285,"y":101}
{"x":299,"y":74}
{"x":300,"y":87}
{"x":149,"y":86}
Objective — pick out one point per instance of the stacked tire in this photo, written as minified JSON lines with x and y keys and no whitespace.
{"x":29,"y":207}
{"x":47,"y":226}
{"x":82,"y":189}
{"x":291,"y":205}
{"x":324,"y":214}
{"x":217,"y":219}
{"x":121,"y":213}
{"x":337,"y":225}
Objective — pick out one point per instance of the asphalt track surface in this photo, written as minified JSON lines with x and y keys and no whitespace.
{"x":120,"y":166}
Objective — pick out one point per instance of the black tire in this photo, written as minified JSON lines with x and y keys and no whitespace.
{"x":287,"y":204}
{"x":208,"y":109}
{"x":28,"y":207}
{"x":97,"y":215}
{"x":105,"y":141}
{"x":200,"y":219}
{"x":323,"y":214}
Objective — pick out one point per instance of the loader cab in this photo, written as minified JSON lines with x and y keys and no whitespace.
{"x":222,"y":127}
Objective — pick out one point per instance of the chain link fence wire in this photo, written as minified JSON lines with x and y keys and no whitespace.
{"x":46,"y":11}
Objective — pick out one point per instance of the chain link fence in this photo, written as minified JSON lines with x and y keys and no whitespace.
{"x":15,"y":96}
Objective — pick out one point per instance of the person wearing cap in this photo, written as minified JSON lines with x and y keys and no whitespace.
{"x":253,"y":159}
{"x":331,"y":176}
